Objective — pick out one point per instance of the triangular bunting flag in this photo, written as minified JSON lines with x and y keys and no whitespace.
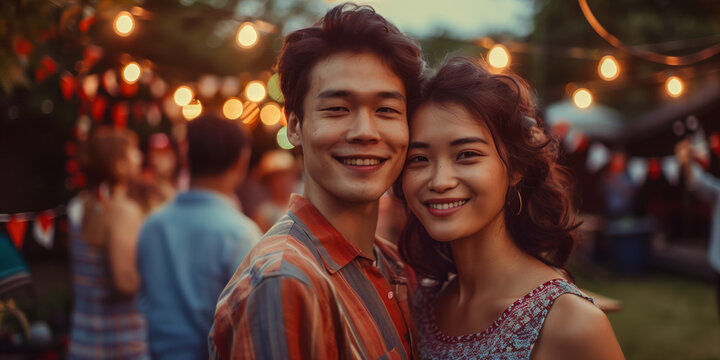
{"x":671,"y":169}
{"x":17,"y":227}
{"x":44,"y":228}
{"x":598,"y":156}
{"x":638,"y":170}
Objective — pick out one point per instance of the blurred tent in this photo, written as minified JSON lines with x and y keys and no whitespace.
{"x":597,"y":121}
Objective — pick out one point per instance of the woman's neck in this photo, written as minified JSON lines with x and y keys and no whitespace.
{"x":490,"y":259}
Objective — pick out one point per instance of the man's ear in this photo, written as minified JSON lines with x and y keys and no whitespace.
{"x":294,"y":130}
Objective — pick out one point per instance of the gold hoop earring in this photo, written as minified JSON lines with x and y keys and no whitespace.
{"x":516,"y":213}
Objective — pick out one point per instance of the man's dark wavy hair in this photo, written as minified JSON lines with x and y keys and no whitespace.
{"x":352,"y":28}
{"x":546,"y":226}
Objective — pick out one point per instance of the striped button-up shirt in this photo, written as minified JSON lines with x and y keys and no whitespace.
{"x":305,"y":292}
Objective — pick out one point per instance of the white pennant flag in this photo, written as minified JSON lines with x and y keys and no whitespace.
{"x":44,"y":228}
{"x":598,"y":156}
{"x":74,"y":210}
{"x":671,"y":169}
{"x":637,"y":170}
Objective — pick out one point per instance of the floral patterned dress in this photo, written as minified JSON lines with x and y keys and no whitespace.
{"x":512,"y":336}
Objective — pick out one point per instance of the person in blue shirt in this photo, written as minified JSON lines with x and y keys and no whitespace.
{"x":190,"y":249}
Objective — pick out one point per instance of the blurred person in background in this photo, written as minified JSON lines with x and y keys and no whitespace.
{"x":491,"y":227}
{"x":707,"y":187}
{"x":189,"y":249}
{"x":106,"y":323}
{"x":279,"y":174}
{"x":161,"y":171}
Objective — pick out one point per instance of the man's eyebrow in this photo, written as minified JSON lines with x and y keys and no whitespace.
{"x":391,"y":95}
{"x":418,"y":145}
{"x":468,"y":140}
{"x":334,"y":93}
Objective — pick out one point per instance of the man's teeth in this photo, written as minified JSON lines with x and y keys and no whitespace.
{"x":445,"y":206}
{"x":361,"y":162}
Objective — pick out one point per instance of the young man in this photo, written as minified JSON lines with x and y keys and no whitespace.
{"x":320,"y":285}
{"x":190,"y":249}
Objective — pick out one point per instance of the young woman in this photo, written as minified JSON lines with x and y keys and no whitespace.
{"x":491,"y":226}
{"x":106,"y":323}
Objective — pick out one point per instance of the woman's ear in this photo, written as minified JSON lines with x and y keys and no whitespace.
{"x":294,"y":130}
{"x":515,"y":178}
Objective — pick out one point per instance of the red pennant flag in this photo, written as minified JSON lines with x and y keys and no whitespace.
{"x":22,"y":47}
{"x":561,"y":129}
{"x":97,"y":108}
{"x":86,"y":23}
{"x":120,"y":115}
{"x":618,"y":162}
{"x":67,"y":85}
{"x":44,"y":228}
{"x":128,"y":90}
{"x":714,"y":141}
{"x":654,"y":170}
{"x":91,"y":55}
{"x":16,"y":228}
{"x":49,"y":64}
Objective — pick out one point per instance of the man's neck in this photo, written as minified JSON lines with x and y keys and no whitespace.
{"x":356,"y":222}
{"x":212,"y":183}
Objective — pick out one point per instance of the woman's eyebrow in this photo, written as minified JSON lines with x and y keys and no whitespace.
{"x":468,"y":140}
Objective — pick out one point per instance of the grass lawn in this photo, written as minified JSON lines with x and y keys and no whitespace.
{"x":663,"y":316}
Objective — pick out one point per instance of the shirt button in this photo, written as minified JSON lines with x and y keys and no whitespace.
{"x":390,"y":295}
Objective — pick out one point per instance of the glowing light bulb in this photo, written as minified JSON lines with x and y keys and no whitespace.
{"x":255,"y":91}
{"x":674,"y":86}
{"x":582,"y":98}
{"x":282,"y":139}
{"x":192,"y":110}
{"x":247,"y":35}
{"x":131,"y":72}
{"x":183,"y":95}
{"x":609,"y":69}
{"x":270,"y":114}
{"x":233,"y":108}
{"x":124,"y":23}
{"x":498,"y":57}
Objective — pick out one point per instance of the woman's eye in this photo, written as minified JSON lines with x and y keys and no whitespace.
{"x":467,"y":155}
{"x":416,"y":159}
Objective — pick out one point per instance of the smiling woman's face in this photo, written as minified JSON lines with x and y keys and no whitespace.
{"x":454,"y":180}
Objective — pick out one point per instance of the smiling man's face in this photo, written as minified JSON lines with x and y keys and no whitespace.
{"x":354,"y":133}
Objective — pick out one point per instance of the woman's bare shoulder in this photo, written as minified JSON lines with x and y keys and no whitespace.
{"x":576,"y":329}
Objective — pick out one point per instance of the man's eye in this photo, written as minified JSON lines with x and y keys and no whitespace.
{"x":335,"y":109}
{"x":388,"y":110}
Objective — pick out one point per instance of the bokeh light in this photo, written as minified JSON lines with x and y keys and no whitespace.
{"x":124,"y":23}
{"x":183,"y":95}
{"x":131,"y":72}
{"x":255,"y":91}
{"x":247,"y":35}
{"x":192,"y":110}
{"x":273,"y":88}
{"x":498,"y":57}
{"x":270,"y":114}
{"x":609,"y":69}
{"x":282,"y":139}
{"x":582,"y":98}
{"x":233,"y":108}
{"x":674,"y":86}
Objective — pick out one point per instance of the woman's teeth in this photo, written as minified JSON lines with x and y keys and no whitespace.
{"x":445,"y":206}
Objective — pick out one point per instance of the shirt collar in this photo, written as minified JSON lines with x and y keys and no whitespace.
{"x":335,"y":251}
{"x":202,"y":196}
